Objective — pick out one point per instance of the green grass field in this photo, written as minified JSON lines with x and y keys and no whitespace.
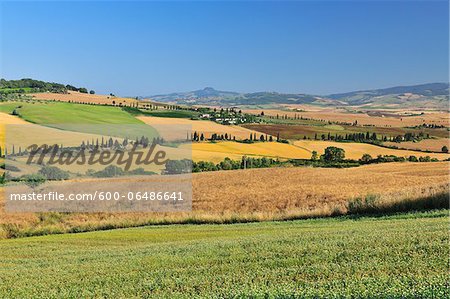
{"x":171,"y":113}
{"x":403,"y":256}
{"x":81,"y":118}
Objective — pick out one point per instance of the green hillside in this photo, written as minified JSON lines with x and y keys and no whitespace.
{"x":28,"y":85}
{"x":81,"y":118}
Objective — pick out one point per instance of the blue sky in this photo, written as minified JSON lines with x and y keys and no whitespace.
{"x":147,"y":47}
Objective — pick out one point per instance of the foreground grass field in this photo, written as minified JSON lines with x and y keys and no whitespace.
{"x":402,"y":256}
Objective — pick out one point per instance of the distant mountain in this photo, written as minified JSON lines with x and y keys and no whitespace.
{"x":212,"y":96}
{"x":432,"y":95}
{"x":206,"y":93}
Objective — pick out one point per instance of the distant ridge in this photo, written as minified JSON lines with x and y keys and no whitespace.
{"x":426,"y":90}
{"x":430,"y":95}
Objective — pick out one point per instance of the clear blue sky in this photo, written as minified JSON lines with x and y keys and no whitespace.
{"x":145,"y":48}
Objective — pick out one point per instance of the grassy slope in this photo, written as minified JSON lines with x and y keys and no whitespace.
{"x":76,"y":117}
{"x":393,"y":256}
{"x":164,"y":113}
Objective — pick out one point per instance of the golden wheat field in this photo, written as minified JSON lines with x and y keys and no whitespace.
{"x":209,"y":151}
{"x":78,"y":97}
{"x":434,"y":145}
{"x":378,"y":119}
{"x":200,"y":126}
{"x":6,"y":119}
{"x":216,"y":152}
{"x":356,"y":150}
{"x":264,"y":194}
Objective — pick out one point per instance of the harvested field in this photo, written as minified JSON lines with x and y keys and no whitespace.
{"x":261,"y":194}
{"x":7,"y":119}
{"x":78,"y":97}
{"x":339,"y":115}
{"x":25,"y":133}
{"x":434,"y":145}
{"x":299,"y":131}
{"x":356,"y":150}
{"x":200,"y":126}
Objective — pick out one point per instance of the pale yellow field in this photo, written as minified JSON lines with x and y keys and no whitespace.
{"x":200,"y":126}
{"x":356,"y":150}
{"x":339,"y":115}
{"x":78,"y":97}
{"x":6,"y":119}
{"x":434,"y":145}
{"x":25,"y":133}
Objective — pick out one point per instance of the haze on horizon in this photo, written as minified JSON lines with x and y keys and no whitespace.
{"x":146,"y":48}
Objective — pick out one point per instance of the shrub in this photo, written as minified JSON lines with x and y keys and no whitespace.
{"x":10,"y":168}
{"x":109,"y":172}
{"x":178,"y":166}
{"x":33,"y":180}
{"x":413,"y":159}
{"x":140,"y":171}
{"x":366,"y":158}
{"x":53,"y":173}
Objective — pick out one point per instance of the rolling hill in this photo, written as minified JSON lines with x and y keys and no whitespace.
{"x":422,"y":96}
{"x":432,"y":95}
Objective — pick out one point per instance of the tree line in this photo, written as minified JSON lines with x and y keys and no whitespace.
{"x":31,"y":85}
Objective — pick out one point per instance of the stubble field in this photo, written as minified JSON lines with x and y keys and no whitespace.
{"x":377,"y":119}
{"x":78,"y":97}
{"x":263,"y":194}
{"x":434,"y":145}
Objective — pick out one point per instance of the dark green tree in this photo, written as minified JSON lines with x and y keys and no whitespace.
{"x":334,"y":154}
